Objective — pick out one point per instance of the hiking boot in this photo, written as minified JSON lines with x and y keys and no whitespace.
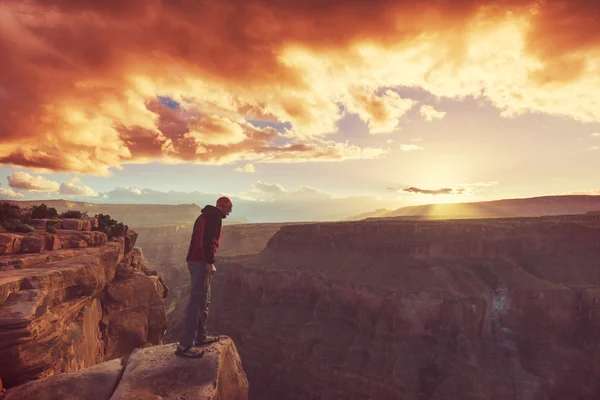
{"x":207,"y":340}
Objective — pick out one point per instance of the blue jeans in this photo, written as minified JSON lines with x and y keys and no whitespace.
{"x":196,"y":314}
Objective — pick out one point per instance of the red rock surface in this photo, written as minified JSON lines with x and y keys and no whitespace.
{"x":76,"y":224}
{"x":10,"y":243}
{"x":495,"y":309}
{"x":93,"y":383}
{"x":67,"y":309}
{"x":155,"y":373}
{"x":134,"y":313}
{"x":148,"y":374}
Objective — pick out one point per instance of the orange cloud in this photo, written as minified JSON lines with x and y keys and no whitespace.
{"x":79,"y":80}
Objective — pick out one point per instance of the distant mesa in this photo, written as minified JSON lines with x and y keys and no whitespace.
{"x":526,"y":207}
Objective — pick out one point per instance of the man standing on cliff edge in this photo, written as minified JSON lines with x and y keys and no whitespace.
{"x":201,"y":264}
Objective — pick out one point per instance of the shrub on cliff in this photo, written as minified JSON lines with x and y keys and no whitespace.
{"x":52,"y":229}
{"x":111,"y":227}
{"x":10,"y":216}
{"x":74,"y":214}
{"x":43,"y":211}
{"x":24,"y":228}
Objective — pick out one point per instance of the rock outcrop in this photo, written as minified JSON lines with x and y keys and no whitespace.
{"x":149,"y":374}
{"x":494,"y":309}
{"x":67,"y":309}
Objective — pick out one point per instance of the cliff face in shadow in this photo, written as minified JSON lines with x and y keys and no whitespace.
{"x":494,"y":309}
{"x":72,"y":300}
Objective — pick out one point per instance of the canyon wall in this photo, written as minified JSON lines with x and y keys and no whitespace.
{"x":494,"y":309}
{"x":72,"y":300}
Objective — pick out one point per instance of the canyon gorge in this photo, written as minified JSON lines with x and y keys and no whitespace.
{"x":470,"y":309}
{"x":495,"y":308}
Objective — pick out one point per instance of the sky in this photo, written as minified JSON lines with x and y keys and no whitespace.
{"x":317,"y":109}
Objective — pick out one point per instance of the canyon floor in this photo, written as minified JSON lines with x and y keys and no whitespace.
{"x":473,"y":309}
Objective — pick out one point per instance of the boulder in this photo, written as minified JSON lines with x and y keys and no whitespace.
{"x":10,"y":243}
{"x":75,"y":224}
{"x":156,"y":373}
{"x":33,"y":244}
{"x":93,"y":383}
{"x":52,"y":242}
{"x":130,"y":239}
{"x":133,"y":308}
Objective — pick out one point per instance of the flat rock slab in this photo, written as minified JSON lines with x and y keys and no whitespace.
{"x":156,"y":373}
{"x":93,"y":383}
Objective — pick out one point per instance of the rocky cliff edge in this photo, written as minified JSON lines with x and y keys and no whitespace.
{"x":72,"y":300}
{"x":151,"y":373}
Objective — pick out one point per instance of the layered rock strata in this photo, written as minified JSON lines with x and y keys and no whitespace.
{"x":68,"y":309}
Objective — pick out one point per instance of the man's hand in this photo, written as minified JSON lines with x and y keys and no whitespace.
{"x":210,"y":269}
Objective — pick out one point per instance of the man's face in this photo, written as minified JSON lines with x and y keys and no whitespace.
{"x":226,"y":210}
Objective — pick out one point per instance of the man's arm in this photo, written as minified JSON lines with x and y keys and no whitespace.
{"x":210,"y":238}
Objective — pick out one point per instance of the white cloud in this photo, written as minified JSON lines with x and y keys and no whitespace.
{"x":70,"y":188}
{"x":595,"y":134}
{"x":410,"y":147}
{"x":430,"y":113}
{"x":249,"y":168}
{"x":7,"y":192}
{"x":595,"y":148}
{"x":25,"y":181}
{"x":133,"y":190}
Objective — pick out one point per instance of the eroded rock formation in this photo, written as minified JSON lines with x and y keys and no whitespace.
{"x":74,"y":305}
{"x":148,"y":374}
{"x":495,"y":309}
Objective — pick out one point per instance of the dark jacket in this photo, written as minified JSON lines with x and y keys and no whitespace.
{"x":206,"y":235}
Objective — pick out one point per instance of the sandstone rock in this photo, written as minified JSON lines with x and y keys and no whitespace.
{"x":75,"y":224}
{"x":32,"y":244}
{"x":66,"y":309}
{"x":130,"y":239}
{"x":156,"y":372}
{"x":74,"y":239}
{"x":50,"y":314}
{"x":52,"y":242}
{"x":75,"y":243}
{"x":133,"y":308}
{"x":10,"y":243}
{"x":93,"y":222}
{"x":93,"y":383}
{"x":160,"y":286}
